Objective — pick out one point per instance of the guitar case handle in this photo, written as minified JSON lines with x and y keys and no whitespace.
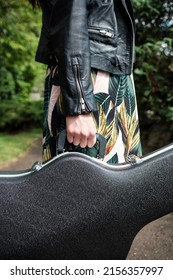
{"x":62,"y":140}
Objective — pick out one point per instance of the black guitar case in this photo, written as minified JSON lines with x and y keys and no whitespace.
{"x":76,"y":207}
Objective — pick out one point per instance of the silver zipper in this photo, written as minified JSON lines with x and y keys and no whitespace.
{"x":102,"y":32}
{"x":82,"y":106}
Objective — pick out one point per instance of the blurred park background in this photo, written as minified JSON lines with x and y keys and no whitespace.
{"x":22,"y":79}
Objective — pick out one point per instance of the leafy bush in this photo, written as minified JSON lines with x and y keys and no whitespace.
{"x":20,"y":114}
{"x":154,"y":60}
{"x":7,"y":84}
{"x":19,"y":32}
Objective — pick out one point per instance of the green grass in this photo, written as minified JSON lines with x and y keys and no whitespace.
{"x":14,"y":145}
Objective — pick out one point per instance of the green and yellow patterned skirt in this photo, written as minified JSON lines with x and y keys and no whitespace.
{"x":116,"y":118}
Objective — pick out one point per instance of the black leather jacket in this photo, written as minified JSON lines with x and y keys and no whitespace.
{"x":80,"y":34}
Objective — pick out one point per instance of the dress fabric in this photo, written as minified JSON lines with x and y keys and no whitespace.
{"x":116,"y":118}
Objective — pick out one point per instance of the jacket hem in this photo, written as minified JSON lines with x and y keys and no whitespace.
{"x":103,"y":64}
{"x":97,"y":62}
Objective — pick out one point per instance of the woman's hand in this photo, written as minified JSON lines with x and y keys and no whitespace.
{"x":81,"y":130}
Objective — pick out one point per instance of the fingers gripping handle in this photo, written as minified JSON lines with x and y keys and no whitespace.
{"x":62,"y":140}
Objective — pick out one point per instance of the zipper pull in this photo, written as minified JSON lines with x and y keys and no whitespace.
{"x":106,"y":33}
{"x":83,"y":108}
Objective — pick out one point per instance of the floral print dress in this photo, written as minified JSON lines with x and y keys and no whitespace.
{"x":116,"y":118}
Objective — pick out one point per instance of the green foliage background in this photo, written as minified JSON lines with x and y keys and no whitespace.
{"x":19,"y":31}
{"x":154,"y":60}
{"x":20,"y":74}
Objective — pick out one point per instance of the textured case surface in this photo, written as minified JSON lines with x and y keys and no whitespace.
{"x":78,"y":208}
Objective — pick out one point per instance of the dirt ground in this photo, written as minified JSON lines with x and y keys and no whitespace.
{"x":153,"y":242}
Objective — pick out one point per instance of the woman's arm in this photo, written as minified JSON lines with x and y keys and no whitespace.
{"x":70,"y":42}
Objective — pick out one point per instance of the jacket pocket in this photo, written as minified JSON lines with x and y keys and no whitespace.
{"x":102,"y":23}
{"x":101,"y":31}
{"x":102,"y":35}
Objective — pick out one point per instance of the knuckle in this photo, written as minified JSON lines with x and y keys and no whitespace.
{"x":92,"y":134}
{"x":84,"y":134}
{"x":70,"y":131}
{"x":77,"y":133}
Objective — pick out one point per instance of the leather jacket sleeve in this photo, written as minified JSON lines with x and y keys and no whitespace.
{"x":70,"y":42}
